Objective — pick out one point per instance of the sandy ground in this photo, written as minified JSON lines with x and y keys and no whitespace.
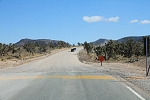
{"x":16,"y":62}
{"x":132,"y":74}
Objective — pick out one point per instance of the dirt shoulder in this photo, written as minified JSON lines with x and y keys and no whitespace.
{"x":17,"y":62}
{"x":132,"y":74}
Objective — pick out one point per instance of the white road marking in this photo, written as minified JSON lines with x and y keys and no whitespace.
{"x":135,"y":93}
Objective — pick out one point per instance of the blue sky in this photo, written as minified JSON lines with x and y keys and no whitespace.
{"x":73,"y":20}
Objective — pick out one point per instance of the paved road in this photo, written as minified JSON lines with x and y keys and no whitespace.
{"x":61,"y":77}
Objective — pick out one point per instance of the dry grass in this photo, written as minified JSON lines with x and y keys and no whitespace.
{"x":11,"y":61}
{"x":84,"y":57}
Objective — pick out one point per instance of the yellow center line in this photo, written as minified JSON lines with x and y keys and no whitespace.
{"x":60,"y":77}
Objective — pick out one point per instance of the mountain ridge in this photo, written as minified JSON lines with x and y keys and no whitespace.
{"x":102,"y":41}
{"x":22,"y":42}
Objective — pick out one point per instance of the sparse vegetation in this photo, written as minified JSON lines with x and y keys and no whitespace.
{"x":88,"y":47}
{"x":12,"y":51}
{"x":117,"y":51}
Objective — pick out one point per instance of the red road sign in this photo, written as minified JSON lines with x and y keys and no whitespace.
{"x":101,"y":58}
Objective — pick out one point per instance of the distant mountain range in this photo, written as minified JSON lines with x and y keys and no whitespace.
{"x":100,"y":42}
{"x":22,"y":42}
{"x":103,"y":41}
{"x":136,"y":38}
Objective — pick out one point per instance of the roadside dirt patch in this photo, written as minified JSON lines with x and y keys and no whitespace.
{"x":132,"y":74}
{"x":17,"y":62}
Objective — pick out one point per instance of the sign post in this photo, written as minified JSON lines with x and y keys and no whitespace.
{"x":146,"y":51}
{"x":101,"y":59}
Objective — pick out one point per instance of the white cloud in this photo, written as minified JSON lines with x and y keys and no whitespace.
{"x":145,"y":22}
{"x":134,"y":21}
{"x":112,"y":19}
{"x":100,"y":18}
{"x":93,"y":19}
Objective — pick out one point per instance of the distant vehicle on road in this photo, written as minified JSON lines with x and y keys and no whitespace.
{"x":74,"y":49}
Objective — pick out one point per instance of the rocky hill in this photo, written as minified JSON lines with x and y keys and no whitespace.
{"x":100,"y":41}
{"x":22,"y":42}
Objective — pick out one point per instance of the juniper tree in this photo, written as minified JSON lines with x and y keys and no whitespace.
{"x":139,"y":49}
{"x":30,"y":48}
{"x":111,"y":49}
{"x":99,"y":51}
{"x":88,"y":47}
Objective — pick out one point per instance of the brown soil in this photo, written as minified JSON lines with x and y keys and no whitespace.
{"x":15,"y":62}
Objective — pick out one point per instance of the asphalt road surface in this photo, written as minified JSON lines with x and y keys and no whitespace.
{"x":61,"y":76}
